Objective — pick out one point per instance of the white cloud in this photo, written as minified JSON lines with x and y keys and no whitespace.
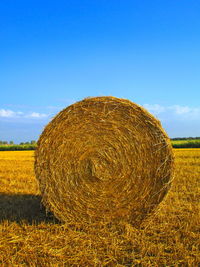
{"x":37,"y":115}
{"x":174,"y":112}
{"x":7,"y":113}
{"x":186,"y":112}
{"x":181,"y":109}
{"x":156,"y":109}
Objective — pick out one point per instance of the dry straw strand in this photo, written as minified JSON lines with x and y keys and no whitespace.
{"x":103,"y":159}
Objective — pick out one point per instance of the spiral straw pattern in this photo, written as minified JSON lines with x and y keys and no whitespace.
{"x":103,"y":158}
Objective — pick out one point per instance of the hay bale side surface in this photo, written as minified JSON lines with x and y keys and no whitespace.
{"x":103,"y":158}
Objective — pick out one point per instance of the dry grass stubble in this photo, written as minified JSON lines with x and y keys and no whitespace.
{"x":30,"y":238}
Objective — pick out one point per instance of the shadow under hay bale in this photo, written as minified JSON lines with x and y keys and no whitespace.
{"x":22,"y":207}
{"x":103,"y":159}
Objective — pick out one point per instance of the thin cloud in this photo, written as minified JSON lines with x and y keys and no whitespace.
{"x":36,"y":115}
{"x":186,"y":112}
{"x":175,"y":111}
{"x":181,"y":109}
{"x":156,"y":108}
{"x":7,"y":113}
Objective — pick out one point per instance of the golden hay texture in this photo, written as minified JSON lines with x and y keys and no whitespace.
{"x":103,"y":158}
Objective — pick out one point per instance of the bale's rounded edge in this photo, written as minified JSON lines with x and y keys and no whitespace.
{"x":103,"y":158}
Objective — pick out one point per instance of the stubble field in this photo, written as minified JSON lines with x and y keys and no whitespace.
{"x":30,"y":237}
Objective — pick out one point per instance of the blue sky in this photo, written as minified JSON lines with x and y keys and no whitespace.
{"x":54,"y":53}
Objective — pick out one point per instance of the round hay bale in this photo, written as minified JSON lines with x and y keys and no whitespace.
{"x":103,"y":158}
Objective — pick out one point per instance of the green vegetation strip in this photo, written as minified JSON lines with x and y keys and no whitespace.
{"x":186,"y":143}
{"x":17,"y":147}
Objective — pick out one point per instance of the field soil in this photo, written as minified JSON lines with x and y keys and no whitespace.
{"x":29,"y":236}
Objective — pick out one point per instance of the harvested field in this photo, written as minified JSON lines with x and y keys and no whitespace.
{"x":29,"y":237}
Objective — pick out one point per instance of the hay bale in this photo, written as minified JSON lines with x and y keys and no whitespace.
{"x":103,"y":158}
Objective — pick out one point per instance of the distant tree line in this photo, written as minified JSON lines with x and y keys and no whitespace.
{"x":6,"y":142}
{"x":188,"y":144}
{"x":32,"y":142}
{"x":185,"y":138}
{"x":178,"y":142}
{"x":11,"y":146}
